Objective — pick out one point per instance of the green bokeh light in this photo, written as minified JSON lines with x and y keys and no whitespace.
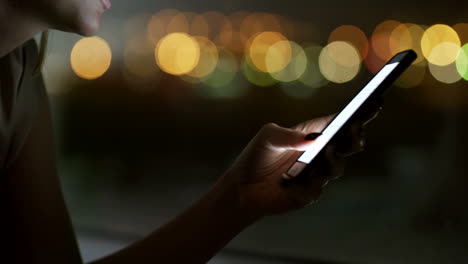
{"x":255,"y":77}
{"x":462,"y":62}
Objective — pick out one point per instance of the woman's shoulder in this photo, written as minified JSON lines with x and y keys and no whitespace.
{"x":20,"y":97}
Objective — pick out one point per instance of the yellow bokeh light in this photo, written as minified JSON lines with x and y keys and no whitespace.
{"x":343,"y":69}
{"x":352,"y":35}
{"x":278,"y":56}
{"x":343,"y":53}
{"x":208,"y":58}
{"x":446,"y":74}
{"x":297,"y":63}
{"x":91,"y":57}
{"x":177,"y":54}
{"x":258,"y":50}
{"x":444,"y":53}
{"x":439,"y":45}
{"x":408,"y":36}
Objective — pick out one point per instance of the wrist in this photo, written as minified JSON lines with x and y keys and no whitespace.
{"x":228,"y":196}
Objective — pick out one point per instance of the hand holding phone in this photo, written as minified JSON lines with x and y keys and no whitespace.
{"x":366,"y":96}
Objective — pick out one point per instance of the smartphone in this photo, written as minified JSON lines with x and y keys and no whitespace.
{"x":371,"y":92}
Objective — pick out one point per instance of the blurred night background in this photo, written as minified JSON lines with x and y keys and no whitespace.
{"x":154,"y":108}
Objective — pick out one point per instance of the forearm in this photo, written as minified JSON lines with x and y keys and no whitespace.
{"x":192,"y":237}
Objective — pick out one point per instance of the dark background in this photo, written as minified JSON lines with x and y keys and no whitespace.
{"x":131,"y":161}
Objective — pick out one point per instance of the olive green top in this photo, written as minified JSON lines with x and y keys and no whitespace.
{"x":20,"y":90}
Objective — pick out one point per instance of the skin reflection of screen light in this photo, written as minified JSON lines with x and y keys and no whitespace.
{"x":177,"y":54}
{"x":339,"y":62}
{"x":91,"y":57}
{"x":440,"y":45}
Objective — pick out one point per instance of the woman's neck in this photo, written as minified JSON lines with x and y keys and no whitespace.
{"x":15,"y":27}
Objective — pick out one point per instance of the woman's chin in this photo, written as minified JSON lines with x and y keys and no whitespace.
{"x":89,"y":29}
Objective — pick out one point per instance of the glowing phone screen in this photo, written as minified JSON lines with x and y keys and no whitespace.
{"x":347,"y":112}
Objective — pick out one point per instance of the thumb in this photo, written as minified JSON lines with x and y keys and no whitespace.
{"x":281,"y":138}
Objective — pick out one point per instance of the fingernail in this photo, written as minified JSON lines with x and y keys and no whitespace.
{"x":312,"y":136}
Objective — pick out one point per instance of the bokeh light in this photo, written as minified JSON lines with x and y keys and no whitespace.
{"x":462,"y":62}
{"x":225,"y":70}
{"x":178,"y":23}
{"x":445,"y":53}
{"x":278,"y":56}
{"x":446,"y":74}
{"x":413,"y":76}
{"x":138,"y":57}
{"x":177,"y":54}
{"x":199,"y":26}
{"x":228,"y":36}
{"x":297,"y":62}
{"x":264,"y":60}
{"x":256,"y":77}
{"x":339,"y":62}
{"x":158,"y":24}
{"x":382,"y":43}
{"x":408,"y":36}
{"x":440,"y":45}
{"x":312,"y":76}
{"x":208,"y":58}
{"x":223,"y":81}
{"x":256,"y":23}
{"x":353,"y":35}
{"x":91,"y":57}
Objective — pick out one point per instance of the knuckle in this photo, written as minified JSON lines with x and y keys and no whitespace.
{"x":269,"y":126}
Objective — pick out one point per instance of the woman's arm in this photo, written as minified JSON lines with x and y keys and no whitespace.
{"x":194,"y":236}
{"x":42,"y":232}
{"x":252,"y":188}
